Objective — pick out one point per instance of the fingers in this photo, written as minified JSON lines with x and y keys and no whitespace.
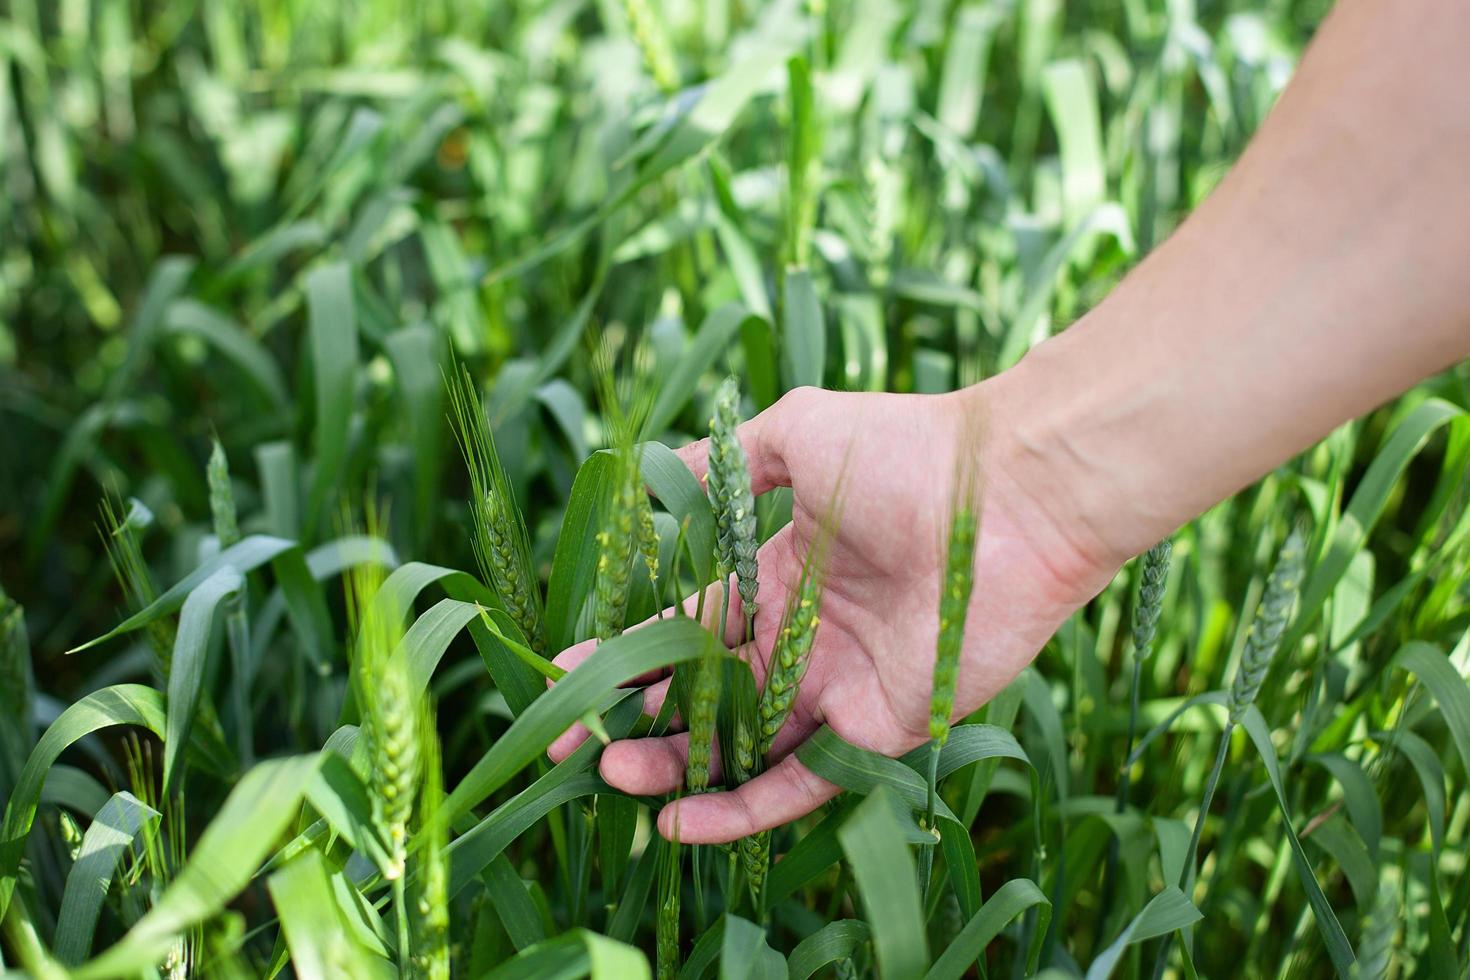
{"x":651,"y":766}
{"x":787,"y":791}
{"x":654,"y":766}
{"x":764,"y":438}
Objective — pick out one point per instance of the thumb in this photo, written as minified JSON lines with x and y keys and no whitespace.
{"x":765,"y":439}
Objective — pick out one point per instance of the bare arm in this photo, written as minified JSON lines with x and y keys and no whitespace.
{"x":1324,"y":276}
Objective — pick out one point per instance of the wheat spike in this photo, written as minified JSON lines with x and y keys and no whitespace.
{"x":667,"y":925}
{"x":1151,"y":597}
{"x":797,"y":633}
{"x":648,"y":544}
{"x":1272,"y":615}
{"x":653,"y":44}
{"x":615,"y":544}
{"x":221,"y":497}
{"x":954,"y":607}
{"x":755,"y":859}
{"x":502,"y":547}
{"x":704,"y":705}
{"x":16,"y":682}
{"x":789,"y":658}
{"x":730,"y":495}
{"x":390,"y":716}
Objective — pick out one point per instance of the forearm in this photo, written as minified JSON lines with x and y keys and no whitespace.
{"x":1323,"y":277}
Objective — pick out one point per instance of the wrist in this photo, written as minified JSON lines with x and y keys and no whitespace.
{"x":1053,"y":432}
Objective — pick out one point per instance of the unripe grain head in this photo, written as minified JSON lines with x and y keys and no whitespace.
{"x":704,"y":705}
{"x":390,"y":714}
{"x":797,"y":634}
{"x":737,"y":540}
{"x":615,"y":545}
{"x":1155,"y":573}
{"x":1272,"y":615}
{"x":653,"y":43}
{"x":501,"y":545}
{"x":954,"y":602}
{"x":666,"y":926}
{"x":221,"y":498}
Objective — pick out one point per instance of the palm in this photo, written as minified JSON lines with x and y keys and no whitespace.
{"x":870,"y":675}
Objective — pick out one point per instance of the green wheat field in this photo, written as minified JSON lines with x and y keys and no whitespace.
{"x":342,"y":347}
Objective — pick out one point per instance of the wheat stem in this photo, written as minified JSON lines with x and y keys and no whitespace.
{"x":400,"y":913}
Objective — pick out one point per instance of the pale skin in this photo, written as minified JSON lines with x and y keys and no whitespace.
{"x":1323,"y":277}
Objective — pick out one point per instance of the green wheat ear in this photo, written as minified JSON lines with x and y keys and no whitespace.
{"x":1155,"y":573}
{"x":730,"y":496}
{"x":626,"y":405}
{"x":390,"y":715}
{"x":755,"y":860}
{"x":954,"y":599}
{"x":666,"y":927}
{"x":653,"y":43}
{"x":704,"y":704}
{"x":120,"y":537}
{"x":797,"y":633}
{"x":648,"y":545}
{"x":500,"y":542}
{"x":221,"y":497}
{"x":615,"y":546}
{"x":1272,"y":615}
{"x":17,"y":684}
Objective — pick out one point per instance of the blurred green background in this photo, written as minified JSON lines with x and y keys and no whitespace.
{"x":173,"y":169}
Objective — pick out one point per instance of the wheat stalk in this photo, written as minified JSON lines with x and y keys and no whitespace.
{"x":1153,"y":576}
{"x":431,"y":918}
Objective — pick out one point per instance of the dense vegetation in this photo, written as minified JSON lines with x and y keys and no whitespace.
{"x":336,"y":341}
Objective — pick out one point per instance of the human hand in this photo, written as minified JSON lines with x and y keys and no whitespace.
{"x":871,"y":669}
